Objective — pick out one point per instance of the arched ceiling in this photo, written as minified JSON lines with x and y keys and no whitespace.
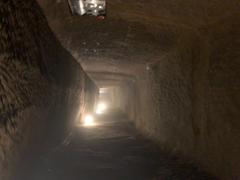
{"x":134,"y":32}
{"x":182,"y":12}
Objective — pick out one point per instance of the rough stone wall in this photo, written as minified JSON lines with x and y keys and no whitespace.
{"x":123,"y":97}
{"x":218,"y":123}
{"x":41,"y":85}
{"x":189,"y":98}
{"x":90,"y":97}
{"x":165,"y":100}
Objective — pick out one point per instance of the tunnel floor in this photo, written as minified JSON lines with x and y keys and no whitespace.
{"x":112,"y":150}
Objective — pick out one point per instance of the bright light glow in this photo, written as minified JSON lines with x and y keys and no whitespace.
{"x":103,"y":90}
{"x":101,"y":108}
{"x":89,"y":120}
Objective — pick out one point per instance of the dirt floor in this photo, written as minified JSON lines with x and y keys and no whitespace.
{"x":111,"y":150}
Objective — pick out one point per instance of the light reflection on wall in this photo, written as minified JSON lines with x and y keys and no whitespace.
{"x":105,"y":100}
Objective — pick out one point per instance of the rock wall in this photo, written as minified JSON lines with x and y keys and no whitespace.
{"x":218,"y":130}
{"x":41,"y":85}
{"x":189,"y":99}
{"x":124,"y":99}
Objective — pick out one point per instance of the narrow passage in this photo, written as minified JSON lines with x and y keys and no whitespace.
{"x":110,"y":150}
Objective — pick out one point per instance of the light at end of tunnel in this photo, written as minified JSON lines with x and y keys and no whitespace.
{"x":101,"y":108}
{"x":88,"y":120}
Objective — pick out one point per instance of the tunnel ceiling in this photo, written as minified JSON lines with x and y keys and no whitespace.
{"x":135,"y":31}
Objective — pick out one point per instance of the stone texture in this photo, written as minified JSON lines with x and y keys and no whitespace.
{"x":184,"y":56}
{"x":41,"y":85}
{"x":194,"y":99}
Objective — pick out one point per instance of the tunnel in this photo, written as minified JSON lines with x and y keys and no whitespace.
{"x":150,"y":92}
